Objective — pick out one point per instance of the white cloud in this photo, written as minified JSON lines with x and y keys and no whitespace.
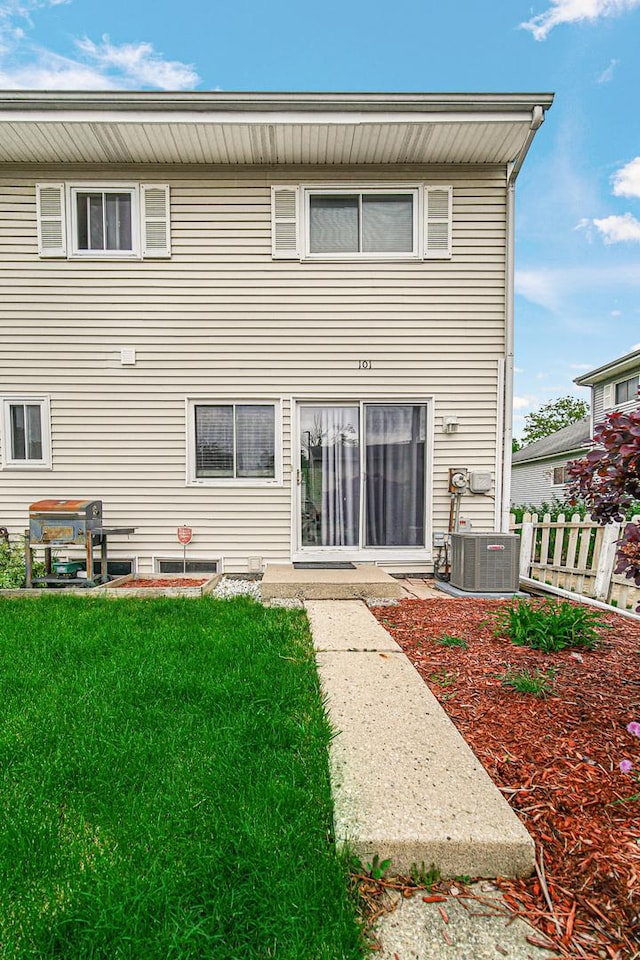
{"x":619,"y":229}
{"x":48,"y":71}
{"x":518,"y":370}
{"x":98,"y":66}
{"x":521,"y":403}
{"x":607,"y":75}
{"x":139,"y":64}
{"x":626,"y":181}
{"x":575,"y":11}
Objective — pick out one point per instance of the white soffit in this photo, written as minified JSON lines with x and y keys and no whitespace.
{"x":36,"y":128}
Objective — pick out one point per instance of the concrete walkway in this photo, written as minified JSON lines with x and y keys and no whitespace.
{"x":406,"y":785}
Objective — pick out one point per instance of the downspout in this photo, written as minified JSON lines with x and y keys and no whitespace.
{"x":513,"y":169}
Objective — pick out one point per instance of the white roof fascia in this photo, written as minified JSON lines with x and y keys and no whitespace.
{"x":609,"y":370}
{"x":257,"y":118}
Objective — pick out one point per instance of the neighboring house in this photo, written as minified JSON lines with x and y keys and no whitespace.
{"x":539,"y":470}
{"x":614,"y":386}
{"x":279,"y":319}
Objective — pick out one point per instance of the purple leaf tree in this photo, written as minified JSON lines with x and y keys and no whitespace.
{"x":608,"y":480}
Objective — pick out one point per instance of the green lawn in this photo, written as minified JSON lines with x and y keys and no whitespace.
{"x":164,"y":787}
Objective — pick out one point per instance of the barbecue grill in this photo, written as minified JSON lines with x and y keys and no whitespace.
{"x":68,"y":523}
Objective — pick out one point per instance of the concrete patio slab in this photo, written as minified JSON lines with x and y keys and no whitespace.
{"x":406,"y":785}
{"x":283,"y":581}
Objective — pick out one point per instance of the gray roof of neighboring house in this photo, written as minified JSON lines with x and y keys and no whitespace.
{"x":574,"y":437}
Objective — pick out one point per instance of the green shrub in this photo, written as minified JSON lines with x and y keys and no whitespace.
{"x":553,"y":508}
{"x":556,"y":507}
{"x":549,"y":626}
{"x":12,"y":565}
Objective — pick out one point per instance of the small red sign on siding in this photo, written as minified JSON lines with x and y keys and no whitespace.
{"x":185,"y":534}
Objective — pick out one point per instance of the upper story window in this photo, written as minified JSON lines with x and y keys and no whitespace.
{"x":26,"y":432}
{"x":362,"y":223}
{"x":379,"y":222}
{"x":103,"y":220}
{"x":627,"y":390}
{"x":233,"y":442}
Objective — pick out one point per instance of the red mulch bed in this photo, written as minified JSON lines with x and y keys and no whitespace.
{"x":161,"y":582}
{"x":555,"y":760}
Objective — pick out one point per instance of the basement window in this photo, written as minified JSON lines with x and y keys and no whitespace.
{"x":192,"y":566}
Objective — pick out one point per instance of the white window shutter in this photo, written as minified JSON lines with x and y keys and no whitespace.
{"x":285,"y":218}
{"x":52,"y":235}
{"x":608,"y":396}
{"x":156,"y":220}
{"x":438,"y":203}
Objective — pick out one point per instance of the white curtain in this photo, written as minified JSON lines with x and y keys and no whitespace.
{"x":340,"y":457}
{"x":395,"y":474}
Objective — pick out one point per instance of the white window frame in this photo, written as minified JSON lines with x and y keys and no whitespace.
{"x":8,"y":459}
{"x":621,"y":403}
{"x":194,"y":481}
{"x":357,"y":189}
{"x":72,"y":191}
{"x":561,"y":483}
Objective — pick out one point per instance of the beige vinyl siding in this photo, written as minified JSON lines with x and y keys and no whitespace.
{"x":220,"y":319}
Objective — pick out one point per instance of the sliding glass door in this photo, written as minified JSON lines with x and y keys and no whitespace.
{"x":362,"y":476}
{"x":330,"y":476}
{"x":395,"y":436}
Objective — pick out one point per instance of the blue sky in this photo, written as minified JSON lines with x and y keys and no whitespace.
{"x":578,"y":208}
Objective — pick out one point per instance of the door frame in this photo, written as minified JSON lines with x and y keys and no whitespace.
{"x":380,"y":555}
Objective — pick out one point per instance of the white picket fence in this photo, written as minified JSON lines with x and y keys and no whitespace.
{"x":575,"y":554}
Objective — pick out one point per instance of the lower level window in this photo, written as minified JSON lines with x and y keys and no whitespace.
{"x":233,"y":441}
{"x":26,"y":431}
{"x":560,"y":475}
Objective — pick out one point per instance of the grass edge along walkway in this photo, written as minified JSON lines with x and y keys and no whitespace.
{"x":164,"y":785}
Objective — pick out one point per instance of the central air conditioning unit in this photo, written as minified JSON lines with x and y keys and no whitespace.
{"x":485,"y":562}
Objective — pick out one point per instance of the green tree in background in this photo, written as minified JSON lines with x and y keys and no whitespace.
{"x":553,"y":416}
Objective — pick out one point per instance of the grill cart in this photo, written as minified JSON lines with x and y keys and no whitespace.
{"x":68,"y":523}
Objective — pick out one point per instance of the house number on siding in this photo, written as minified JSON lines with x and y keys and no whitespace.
{"x":364,"y":364}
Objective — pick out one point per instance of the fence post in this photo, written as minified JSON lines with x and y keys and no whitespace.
{"x":526,"y":545}
{"x":606,"y":561}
